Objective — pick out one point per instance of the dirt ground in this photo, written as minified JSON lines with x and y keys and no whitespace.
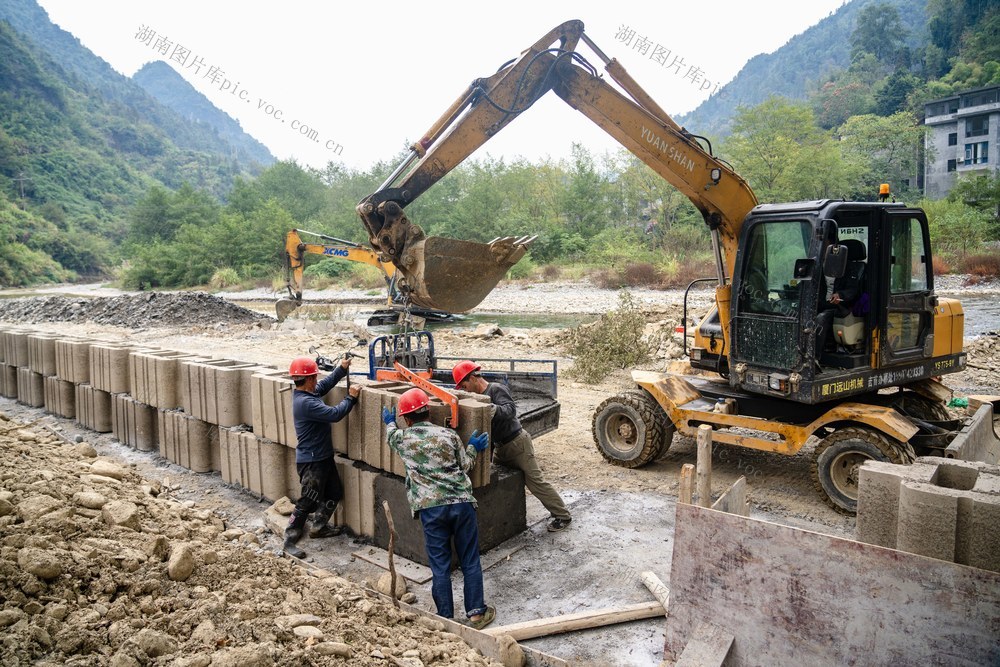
{"x":623,"y":519}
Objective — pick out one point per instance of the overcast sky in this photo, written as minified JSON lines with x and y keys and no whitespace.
{"x":367,"y":78}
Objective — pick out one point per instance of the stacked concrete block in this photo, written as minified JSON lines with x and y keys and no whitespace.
{"x":93,"y":408}
{"x":30,"y":387}
{"x":73,"y":359}
{"x":42,"y":353}
{"x":941,"y":508}
{"x":154,"y":376}
{"x":15,"y":343}
{"x":256,"y":464}
{"x":134,"y":423}
{"x":109,"y":367}
{"x":271,"y":401}
{"x":60,"y":397}
{"x":188,"y":442}
{"x":359,"y":496}
{"x":9,"y":382}
{"x":218,"y":391}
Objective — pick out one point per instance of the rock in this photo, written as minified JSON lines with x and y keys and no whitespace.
{"x":155,"y":644}
{"x":157,"y":547}
{"x":231,"y":534}
{"x":487,"y":331}
{"x":283,"y":506}
{"x":295,"y":620}
{"x":208,"y":556}
{"x":121,"y":513}
{"x":408,"y":598}
{"x":43,"y":564}
{"x":181,"y":563}
{"x":107,"y":469}
{"x":430,"y":623}
{"x":31,"y":508}
{"x":123,"y":658}
{"x":194,"y":661}
{"x":384,"y":585}
{"x":308,"y":632}
{"x":10,"y":617}
{"x":249,"y":538}
{"x":334,"y":648}
{"x":509,"y":652}
{"x":26,"y":436}
{"x":252,"y":655}
{"x":86,"y":450}
{"x":89,"y":499}
{"x":204,"y":633}
{"x":5,"y":507}
{"x":57,"y":611}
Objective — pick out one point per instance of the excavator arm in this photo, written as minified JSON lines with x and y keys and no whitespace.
{"x":457,"y":275}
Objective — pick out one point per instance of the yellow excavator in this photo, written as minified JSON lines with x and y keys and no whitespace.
{"x":397,"y":306}
{"x":825,"y":322}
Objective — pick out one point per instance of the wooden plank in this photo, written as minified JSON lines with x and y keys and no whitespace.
{"x":704,"y":475}
{"x":415,"y":572}
{"x":686,"y":493}
{"x":734,"y":499}
{"x":657,"y":588}
{"x":795,"y":597}
{"x":708,"y":647}
{"x":542,"y":627}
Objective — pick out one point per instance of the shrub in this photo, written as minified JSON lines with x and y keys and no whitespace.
{"x":940,"y":266}
{"x":525,"y":268}
{"x":551,"y":272}
{"x":983,"y":266}
{"x":642,"y":274}
{"x":681,"y":271}
{"x":613,"y":342}
{"x":608,"y":279}
{"x":223,"y":278}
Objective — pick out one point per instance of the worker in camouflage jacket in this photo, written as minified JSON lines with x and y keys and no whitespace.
{"x":440,"y":494}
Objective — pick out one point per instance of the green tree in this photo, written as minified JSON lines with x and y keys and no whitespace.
{"x":957,"y":229}
{"x":981,"y":192}
{"x":585,"y":200}
{"x":878,"y":31}
{"x":882,"y":150}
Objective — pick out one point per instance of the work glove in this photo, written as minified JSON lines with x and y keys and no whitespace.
{"x":479,"y":440}
{"x":388,"y":416}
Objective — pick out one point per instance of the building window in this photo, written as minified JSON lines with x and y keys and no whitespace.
{"x":953,"y":139}
{"x":977,"y":153}
{"x":980,"y":98}
{"x":952,"y":165}
{"x":977,"y":126}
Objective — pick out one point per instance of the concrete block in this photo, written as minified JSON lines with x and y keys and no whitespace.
{"x":15,"y":343}
{"x":188,"y":442}
{"x":256,"y":464}
{"x":878,"y":499}
{"x":73,"y":359}
{"x":134,"y":423}
{"x":927,"y":521}
{"x":340,"y":429}
{"x":218,"y":391}
{"x":109,"y":367}
{"x":292,"y":486}
{"x":60,"y":397}
{"x":502,"y":513}
{"x":979,"y":534}
{"x":42,"y":353}
{"x":93,"y":408}
{"x":155,"y":377}
{"x":271,"y":400}
{"x":9,"y":384}
{"x":350,"y":478}
{"x":30,"y":387}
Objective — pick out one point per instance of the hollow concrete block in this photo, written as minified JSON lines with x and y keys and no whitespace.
{"x":9,"y":385}
{"x":878,"y":499}
{"x":187,"y":441}
{"x":134,"y":423}
{"x":927,"y":521}
{"x":93,"y":408}
{"x":154,"y":377}
{"x":271,"y":399}
{"x":979,"y":535}
{"x":73,"y":359}
{"x":60,"y":397}
{"x":213,"y":390}
{"x":16,"y":346}
{"x":109,"y":367}
{"x":30,"y":387}
{"x":256,"y":464}
{"x":42,"y":353}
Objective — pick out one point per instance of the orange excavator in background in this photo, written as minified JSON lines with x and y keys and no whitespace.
{"x":791,"y":351}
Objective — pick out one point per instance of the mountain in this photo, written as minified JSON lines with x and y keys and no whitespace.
{"x":802,"y":62}
{"x":162,"y":82}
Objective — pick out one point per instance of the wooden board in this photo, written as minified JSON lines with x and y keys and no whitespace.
{"x":708,"y":647}
{"x":791,"y":596}
{"x":415,"y":572}
{"x":542,"y":627}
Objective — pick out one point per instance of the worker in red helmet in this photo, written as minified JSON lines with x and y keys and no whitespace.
{"x":321,"y":486}
{"x":439,"y":491}
{"x":512,"y":445}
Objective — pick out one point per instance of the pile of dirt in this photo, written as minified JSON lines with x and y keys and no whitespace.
{"x":100,"y":566}
{"x":132,"y":310}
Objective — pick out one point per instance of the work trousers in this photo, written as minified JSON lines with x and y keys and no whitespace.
{"x":321,"y":489}
{"x":441,"y":524}
{"x":520,"y":453}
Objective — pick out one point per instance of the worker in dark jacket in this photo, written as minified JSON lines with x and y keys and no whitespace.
{"x":321,"y":487}
{"x":512,"y":444}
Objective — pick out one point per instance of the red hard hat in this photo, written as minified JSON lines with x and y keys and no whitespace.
{"x":303,"y":366}
{"x":412,"y":400}
{"x":462,"y":370}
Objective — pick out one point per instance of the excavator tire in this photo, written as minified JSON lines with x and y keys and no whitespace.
{"x":631,"y":430}
{"x":838,"y":459}
{"x":921,"y":407}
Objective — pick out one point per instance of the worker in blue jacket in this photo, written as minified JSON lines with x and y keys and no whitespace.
{"x":321,"y":486}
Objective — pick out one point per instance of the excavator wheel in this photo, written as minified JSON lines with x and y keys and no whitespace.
{"x":921,"y":407}
{"x":838,"y":460}
{"x":631,"y":429}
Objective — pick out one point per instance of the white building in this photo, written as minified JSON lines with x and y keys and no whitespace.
{"x":963,"y":138}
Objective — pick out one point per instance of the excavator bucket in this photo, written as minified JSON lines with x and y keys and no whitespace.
{"x":454,"y":275}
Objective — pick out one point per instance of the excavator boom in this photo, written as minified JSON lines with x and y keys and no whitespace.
{"x":455,"y":275}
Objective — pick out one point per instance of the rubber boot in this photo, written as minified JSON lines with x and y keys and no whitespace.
{"x":293,"y":533}
{"x":320,"y":523}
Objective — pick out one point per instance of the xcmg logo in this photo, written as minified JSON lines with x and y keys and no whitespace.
{"x":336,"y":252}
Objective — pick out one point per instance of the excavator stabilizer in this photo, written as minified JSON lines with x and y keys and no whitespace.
{"x":454,"y":275}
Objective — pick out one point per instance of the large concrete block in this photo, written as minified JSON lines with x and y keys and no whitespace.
{"x":155,"y":377}
{"x":109,"y":366}
{"x":134,"y":423}
{"x":878,"y":499}
{"x":42,"y":353}
{"x":218,"y":390}
{"x":60,"y":397}
{"x":271,"y":400}
{"x":15,"y":343}
{"x":927,"y":521}
{"x":256,"y":464}
{"x":73,"y":359}
{"x":9,"y":385}
{"x":188,"y":442}
{"x":502,"y":513}
{"x":30,"y":387}
{"x":93,"y":408}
